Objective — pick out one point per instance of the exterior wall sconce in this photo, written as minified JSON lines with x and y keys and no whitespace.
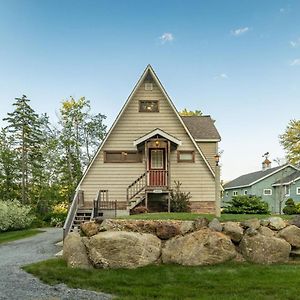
{"x":217,"y":159}
{"x":157,"y":143}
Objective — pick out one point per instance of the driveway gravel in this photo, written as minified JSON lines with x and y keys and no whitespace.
{"x":17,"y":284}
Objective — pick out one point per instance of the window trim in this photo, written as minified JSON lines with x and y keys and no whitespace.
{"x":234,"y":193}
{"x":145,"y":111}
{"x":264,"y":192}
{"x":289,"y":190}
{"x":298,"y":190}
{"x":185,"y":161}
{"x":245,"y":192}
{"x":123,"y":160}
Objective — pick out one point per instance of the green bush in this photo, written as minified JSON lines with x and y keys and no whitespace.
{"x":246,"y":204}
{"x":180,"y":200}
{"x":290,"y":207}
{"x":14,"y":216}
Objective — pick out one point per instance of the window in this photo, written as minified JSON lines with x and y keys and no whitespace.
{"x":185,"y":156}
{"x":148,"y":106}
{"x":157,"y":159}
{"x":298,"y":190}
{"x":235,"y":193}
{"x":121,"y":156}
{"x":245,"y":192}
{"x":287,"y":190}
{"x":226,"y":194}
{"x":267,"y":192}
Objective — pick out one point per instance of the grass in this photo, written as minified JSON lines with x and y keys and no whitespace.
{"x":18,"y":234}
{"x":193,"y":216}
{"x":226,"y":281}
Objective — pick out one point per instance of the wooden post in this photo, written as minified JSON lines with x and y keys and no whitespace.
{"x":169,"y":203}
{"x":146,"y":199}
{"x":218,"y":191}
{"x":169,"y":166}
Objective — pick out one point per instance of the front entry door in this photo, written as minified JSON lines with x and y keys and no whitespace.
{"x":157,"y":167}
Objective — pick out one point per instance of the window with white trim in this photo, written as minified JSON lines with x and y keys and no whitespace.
{"x":226,"y":194}
{"x":245,"y":192}
{"x":235,"y":193}
{"x":298,"y":190}
{"x":267,"y":192}
{"x":287,"y":190}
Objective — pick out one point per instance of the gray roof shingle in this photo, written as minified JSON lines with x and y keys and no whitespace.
{"x":201,"y":127}
{"x":288,"y":178}
{"x":248,"y":179}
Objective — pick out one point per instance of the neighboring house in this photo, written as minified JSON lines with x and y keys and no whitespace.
{"x":148,"y":147}
{"x":274,"y":185}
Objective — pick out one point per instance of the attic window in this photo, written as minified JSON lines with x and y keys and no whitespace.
{"x":267,"y":192}
{"x":185,"y":156}
{"x":148,"y":106}
{"x":122,"y":157}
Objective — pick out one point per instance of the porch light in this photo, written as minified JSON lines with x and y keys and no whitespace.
{"x":157,"y":143}
{"x":217,"y":159}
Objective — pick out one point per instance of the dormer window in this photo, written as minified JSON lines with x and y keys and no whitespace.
{"x":148,"y":106}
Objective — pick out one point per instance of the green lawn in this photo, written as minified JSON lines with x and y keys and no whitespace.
{"x":16,"y":235}
{"x":192,"y":216}
{"x":226,"y":281}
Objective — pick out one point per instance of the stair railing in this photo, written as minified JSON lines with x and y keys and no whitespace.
{"x":102,"y":203}
{"x":136,"y":187}
{"x":78,"y":197}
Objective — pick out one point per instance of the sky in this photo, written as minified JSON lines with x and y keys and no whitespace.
{"x":238,"y":61}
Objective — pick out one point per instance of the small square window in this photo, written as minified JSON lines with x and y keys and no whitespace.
{"x":267,"y":192}
{"x":226,"y":194}
{"x":245,"y":192}
{"x":148,"y":106}
{"x":298,"y":190}
{"x":235,"y":193}
{"x":185,"y":156}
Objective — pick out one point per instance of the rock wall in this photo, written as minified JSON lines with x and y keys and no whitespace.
{"x":133,"y":243}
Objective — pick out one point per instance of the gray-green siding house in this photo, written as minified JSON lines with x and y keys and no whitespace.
{"x":274,"y":185}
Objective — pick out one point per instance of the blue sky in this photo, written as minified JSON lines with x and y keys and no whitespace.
{"x":238,"y":61}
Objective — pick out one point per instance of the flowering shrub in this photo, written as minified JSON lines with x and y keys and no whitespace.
{"x":14,"y":216}
{"x":59,"y":214}
{"x":61,"y":208}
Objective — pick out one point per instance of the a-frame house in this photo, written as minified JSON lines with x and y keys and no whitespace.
{"x":147,"y":149}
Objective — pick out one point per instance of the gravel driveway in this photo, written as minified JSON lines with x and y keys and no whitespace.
{"x":17,"y":284}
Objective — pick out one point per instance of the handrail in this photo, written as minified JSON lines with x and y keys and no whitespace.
{"x":136,"y":187}
{"x":71,"y":214}
{"x":102,"y":202}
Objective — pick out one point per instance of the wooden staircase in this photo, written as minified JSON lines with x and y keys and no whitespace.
{"x":136,"y":191}
{"x":82,"y":215}
{"x":136,"y":200}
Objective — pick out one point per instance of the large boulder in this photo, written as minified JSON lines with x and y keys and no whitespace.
{"x":291,"y":234}
{"x":200,"y":223}
{"x":166,"y":231}
{"x":74,"y":251}
{"x":233,"y":230}
{"x":215,"y":224}
{"x":202,"y":247}
{"x":295,"y":221}
{"x":265,"y":231}
{"x":276,"y":223}
{"x":251,"y":223}
{"x":89,"y":228}
{"x":264,"y":249}
{"x":121,"y":249}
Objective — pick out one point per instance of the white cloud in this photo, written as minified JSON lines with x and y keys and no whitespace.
{"x":240,"y":31}
{"x":221,"y":76}
{"x":295,"y":62}
{"x":295,"y":43}
{"x":166,"y":37}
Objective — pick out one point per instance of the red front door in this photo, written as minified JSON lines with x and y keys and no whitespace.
{"x":157,"y":167}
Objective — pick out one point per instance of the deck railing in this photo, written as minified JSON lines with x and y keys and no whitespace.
{"x":78,"y":198}
{"x":157,"y":178}
{"x":136,"y":187}
{"x":102,"y":203}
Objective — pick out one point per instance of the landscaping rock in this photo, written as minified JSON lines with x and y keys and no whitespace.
{"x":250,"y":231}
{"x":74,"y":251}
{"x":215,"y":225}
{"x":251,"y":223}
{"x":264,"y":249}
{"x":265,"y":231}
{"x":291,"y":234}
{"x":233,"y":230}
{"x":202,"y":247}
{"x":264,"y":222}
{"x":276,"y":223}
{"x":295,"y":221}
{"x":166,"y":231}
{"x":89,"y":228}
{"x":201,"y":223}
{"x":121,"y":249}
{"x":186,"y":227}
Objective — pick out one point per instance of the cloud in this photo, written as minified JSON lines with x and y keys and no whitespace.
{"x":282,"y":10}
{"x":166,"y":37}
{"x":240,"y":31}
{"x":221,"y":76}
{"x":295,"y":43}
{"x":295,"y":62}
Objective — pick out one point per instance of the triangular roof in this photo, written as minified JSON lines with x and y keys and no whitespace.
{"x":254,"y":177}
{"x":155,"y":132}
{"x":288,"y":179}
{"x":148,"y":71}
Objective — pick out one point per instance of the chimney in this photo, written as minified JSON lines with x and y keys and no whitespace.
{"x":266,"y":164}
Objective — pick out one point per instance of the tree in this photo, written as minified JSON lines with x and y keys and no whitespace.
{"x":186,"y":112}
{"x":290,"y":140}
{"x":24,"y":127}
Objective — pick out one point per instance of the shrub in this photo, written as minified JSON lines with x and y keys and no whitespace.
{"x":57,"y":215}
{"x":290,"y":207}
{"x":14,"y":216}
{"x":139,"y":210}
{"x":180,"y":200}
{"x":246,"y":204}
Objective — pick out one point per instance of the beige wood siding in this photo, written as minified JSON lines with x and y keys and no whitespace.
{"x":195,"y":177}
{"x":209,"y":149}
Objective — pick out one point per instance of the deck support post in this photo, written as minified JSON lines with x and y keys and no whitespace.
{"x":169,"y":203}
{"x":218,"y":191}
